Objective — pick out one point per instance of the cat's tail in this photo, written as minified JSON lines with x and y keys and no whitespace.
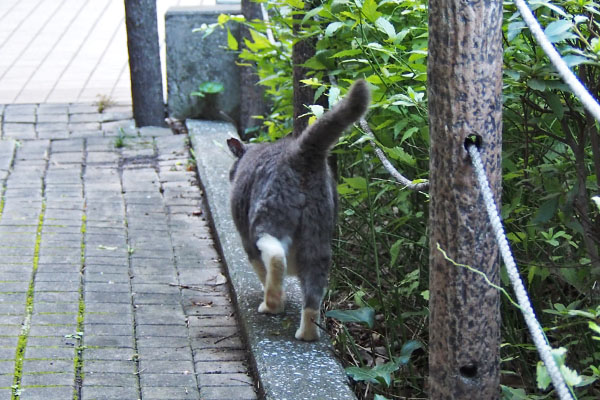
{"x":319,"y":137}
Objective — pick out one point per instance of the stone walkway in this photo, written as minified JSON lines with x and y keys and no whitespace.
{"x":110,"y":285}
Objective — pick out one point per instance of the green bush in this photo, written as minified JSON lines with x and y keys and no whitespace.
{"x":551,"y":169}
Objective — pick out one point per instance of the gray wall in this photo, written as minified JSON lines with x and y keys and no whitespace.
{"x":192,"y":60}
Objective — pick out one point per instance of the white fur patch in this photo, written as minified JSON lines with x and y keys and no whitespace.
{"x":272,"y":253}
{"x":270,"y":247}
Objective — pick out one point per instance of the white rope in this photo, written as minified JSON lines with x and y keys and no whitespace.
{"x":421,"y":186}
{"x":539,"y":339}
{"x":265,"y":17}
{"x":561,"y":66}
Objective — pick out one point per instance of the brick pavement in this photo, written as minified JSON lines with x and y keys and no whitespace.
{"x":110,"y":285}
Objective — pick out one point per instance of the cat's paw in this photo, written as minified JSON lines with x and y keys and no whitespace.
{"x":274,"y":309}
{"x":308,"y":330}
{"x":274,"y":302}
{"x":308,"y":333}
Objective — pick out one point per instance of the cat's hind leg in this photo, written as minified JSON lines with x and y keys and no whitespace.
{"x":313,"y":285}
{"x":260,"y":270}
{"x":272,"y":253}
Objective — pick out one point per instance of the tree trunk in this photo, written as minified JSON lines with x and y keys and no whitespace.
{"x":144,"y":63}
{"x":252,"y":95}
{"x":464,"y":90}
{"x":302,"y":51}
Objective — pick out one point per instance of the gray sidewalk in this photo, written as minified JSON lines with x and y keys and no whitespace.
{"x":111,"y":287}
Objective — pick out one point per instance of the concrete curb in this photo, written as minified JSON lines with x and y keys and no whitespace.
{"x":286,"y":368}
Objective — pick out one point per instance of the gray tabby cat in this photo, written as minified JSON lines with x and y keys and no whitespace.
{"x":284,"y":204}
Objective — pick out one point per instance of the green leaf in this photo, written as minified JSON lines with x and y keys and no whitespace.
{"x":542,"y":377}
{"x":573,"y":60}
{"x":369,"y":9}
{"x":347,"y":53}
{"x":333,"y":96}
{"x":536,"y":84}
{"x":333,"y":27}
{"x":394,"y":251}
{"x":380,"y":397}
{"x":398,"y":153}
{"x":319,"y":92}
{"x":558,"y":31}
{"x":296,"y":3}
{"x":357,"y":182}
{"x":317,"y":110}
{"x":546,"y":211}
{"x":311,"y":13}
{"x":514,"y":28}
{"x":555,"y":104}
{"x":386,"y":27}
{"x":364,"y":315}
{"x":509,"y":393}
{"x":211,"y":87}
{"x":409,"y":347}
{"x":378,"y":374}
{"x":232,"y":42}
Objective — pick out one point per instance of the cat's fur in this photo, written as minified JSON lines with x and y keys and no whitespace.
{"x":284,"y":203}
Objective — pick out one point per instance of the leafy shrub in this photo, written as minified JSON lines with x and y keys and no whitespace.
{"x":551,"y":163}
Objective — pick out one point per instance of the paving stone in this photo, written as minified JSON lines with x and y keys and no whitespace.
{"x":109,"y":353}
{"x":7,"y":367}
{"x":108,"y":318}
{"x":222,"y":367}
{"x":33,"y":366}
{"x":124,"y":367}
{"x":166,"y":367}
{"x":164,"y":331}
{"x":186,"y":379}
{"x":233,"y":379}
{"x":157,"y":341}
{"x":56,"y":353}
{"x":44,"y":393}
{"x":48,"y":379}
{"x":167,"y":354}
{"x":107,"y":329}
{"x":111,"y":379}
{"x":50,"y":108}
{"x":67,"y":341}
{"x":19,"y":131}
{"x":107,"y":297}
{"x":109,"y":392}
{"x":7,"y":353}
{"x":108,"y":341}
{"x":228,"y":392}
{"x":172,"y":393}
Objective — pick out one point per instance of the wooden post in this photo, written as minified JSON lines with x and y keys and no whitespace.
{"x":144,"y":63}
{"x":464,"y":90}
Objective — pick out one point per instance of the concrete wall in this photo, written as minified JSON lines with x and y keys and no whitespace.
{"x":192,"y":60}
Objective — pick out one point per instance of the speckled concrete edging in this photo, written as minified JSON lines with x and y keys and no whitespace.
{"x":287,"y":369}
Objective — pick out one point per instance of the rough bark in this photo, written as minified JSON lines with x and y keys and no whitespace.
{"x":464,"y":90}
{"x":144,"y":63}
{"x":302,"y":51}
{"x":252,"y":95}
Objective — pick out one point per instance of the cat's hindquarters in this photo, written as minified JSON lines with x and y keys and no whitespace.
{"x":273,"y":257}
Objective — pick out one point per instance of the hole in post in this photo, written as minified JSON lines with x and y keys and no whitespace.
{"x":473,"y":139}
{"x":468,"y":371}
